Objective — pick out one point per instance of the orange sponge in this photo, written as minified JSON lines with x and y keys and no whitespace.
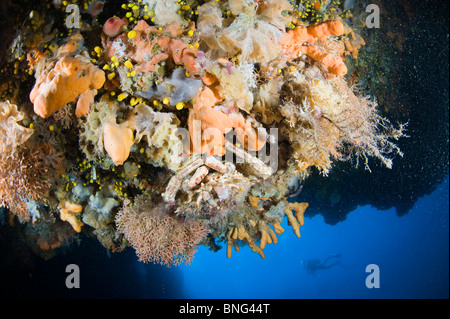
{"x":117,"y":141}
{"x":325,"y":29}
{"x":302,"y":40}
{"x":63,"y":82}
{"x":214,"y":123}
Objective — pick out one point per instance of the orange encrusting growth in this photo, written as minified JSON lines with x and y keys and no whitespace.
{"x":159,"y":44}
{"x":207,"y":125}
{"x":302,"y":40}
{"x":68,"y":79}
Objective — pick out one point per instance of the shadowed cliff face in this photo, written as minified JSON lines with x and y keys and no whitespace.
{"x":7,"y":21}
{"x":417,"y":93}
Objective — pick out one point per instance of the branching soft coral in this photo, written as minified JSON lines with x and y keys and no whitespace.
{"x":158,"y":236}
{"x":327,"y":121}
{"x":28,"y":173}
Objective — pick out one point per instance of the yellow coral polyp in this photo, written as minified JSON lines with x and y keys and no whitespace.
{"x":121,"y":97}
{"x":128,"y":64}
{"x":135,"y":101}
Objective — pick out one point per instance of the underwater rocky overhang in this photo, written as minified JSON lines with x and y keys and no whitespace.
{"x":334,"y":196}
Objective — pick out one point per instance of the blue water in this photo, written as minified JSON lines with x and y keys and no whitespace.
{"x":412,"y":253}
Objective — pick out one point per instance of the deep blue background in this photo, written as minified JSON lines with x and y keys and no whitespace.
{"x":412,"y":253}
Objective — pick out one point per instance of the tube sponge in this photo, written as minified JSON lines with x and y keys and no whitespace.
{"x":324,"y":30}
{"x":113,"y":26}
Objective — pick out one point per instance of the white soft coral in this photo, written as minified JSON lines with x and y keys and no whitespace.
{"x":12,"y":133}
{"x":254,"y":32}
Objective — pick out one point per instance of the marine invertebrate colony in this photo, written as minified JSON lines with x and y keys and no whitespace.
{"x":64,"y":80}
{"x":184,"y":123}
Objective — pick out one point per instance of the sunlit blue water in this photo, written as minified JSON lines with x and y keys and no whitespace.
{"x":412,"y":253}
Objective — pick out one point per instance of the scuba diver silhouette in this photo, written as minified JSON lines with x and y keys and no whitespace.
{"x":312,"y":265}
